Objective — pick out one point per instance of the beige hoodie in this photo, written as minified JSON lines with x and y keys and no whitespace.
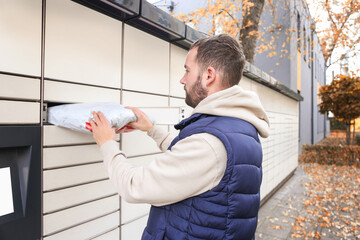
{"x":194,"y":165}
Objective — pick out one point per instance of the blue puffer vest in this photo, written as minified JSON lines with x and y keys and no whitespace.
{"x":229,"y":210}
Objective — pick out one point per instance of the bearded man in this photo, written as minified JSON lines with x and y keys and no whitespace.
{"x":206,"y":184}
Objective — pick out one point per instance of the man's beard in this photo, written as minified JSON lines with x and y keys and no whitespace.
{"x":195,"y":94}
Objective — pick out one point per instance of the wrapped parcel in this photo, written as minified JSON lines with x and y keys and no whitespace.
{"x":76,"y":116}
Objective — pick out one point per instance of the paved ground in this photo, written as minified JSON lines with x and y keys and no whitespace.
{"x":279,"y":213}
{"x":286,"y":216}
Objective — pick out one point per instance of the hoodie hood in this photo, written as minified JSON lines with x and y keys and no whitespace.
{"x":238,"y":103}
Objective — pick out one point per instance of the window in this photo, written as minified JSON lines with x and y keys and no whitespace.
{"x":316,"y":66}
{"x":304,"y":43}
{"x":308,"y":51}
{"x":298,"y":32}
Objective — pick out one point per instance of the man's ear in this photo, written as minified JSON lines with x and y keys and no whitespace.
{"x":210,"y":76}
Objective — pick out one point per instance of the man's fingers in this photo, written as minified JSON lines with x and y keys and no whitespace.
{"x":133,"y":109}
{"x":136,"y":111}
{"x":132,"y":124}
{"x":102,"y":131}
{"x":102,"y":117}
{"x":143,"y":122}
{"x":92,"y":123}
{"x":96,"y":117}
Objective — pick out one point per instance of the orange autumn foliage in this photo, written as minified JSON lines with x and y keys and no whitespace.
{"x":241,"y":20}
{"x":342,"y":98}
{"x":338,"y":25}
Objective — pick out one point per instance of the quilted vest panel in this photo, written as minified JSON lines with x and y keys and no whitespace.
{"x":229,"y":210}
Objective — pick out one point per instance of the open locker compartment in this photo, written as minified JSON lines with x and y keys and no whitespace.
{"x":159,"y":115}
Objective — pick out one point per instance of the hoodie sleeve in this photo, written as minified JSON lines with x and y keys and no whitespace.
{"x":194,"y":165}
{"x":162,"y":138}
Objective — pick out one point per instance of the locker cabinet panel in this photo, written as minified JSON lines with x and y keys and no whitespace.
{"x":17,"y":112}
{"x":137,"y":142}
{"x":74,"y":93}
{"x":79,"y":214}
{"x":129,"y":211}
{"x":177,"y":102}
{"x":113,"y":235}
{"x":70,"y":176}
{"x":275,"y":101}
{"x":72,"y":155}
{"x":20,"y":41}
{"x":82,"y":45}
{"x":245,"y":83}
{"x":145,"y":68}
{"x":177,"y":70}
{"x":54,"y":135}
{"x":134,"y":229}
{"x":89,"y":229}
{"x":15,"y":87}
{"x":143,"y":100}
{"x":76,"y":195}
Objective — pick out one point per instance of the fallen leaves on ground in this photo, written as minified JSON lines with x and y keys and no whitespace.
{"x":332,"y":205}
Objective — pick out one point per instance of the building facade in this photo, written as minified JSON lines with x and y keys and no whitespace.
{"x":299,"y":65}
{"x":298,"y":62}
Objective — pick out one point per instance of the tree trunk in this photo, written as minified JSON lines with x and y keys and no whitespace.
{"x":249,"y":32}
{"x":353,"y":138}
{"x":348,"y":125}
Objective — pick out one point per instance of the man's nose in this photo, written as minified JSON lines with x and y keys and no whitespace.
{"x":182,"y":80}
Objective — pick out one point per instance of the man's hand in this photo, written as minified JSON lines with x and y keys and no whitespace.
{"x":102,"y":131}
{"x":143,"y":122}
